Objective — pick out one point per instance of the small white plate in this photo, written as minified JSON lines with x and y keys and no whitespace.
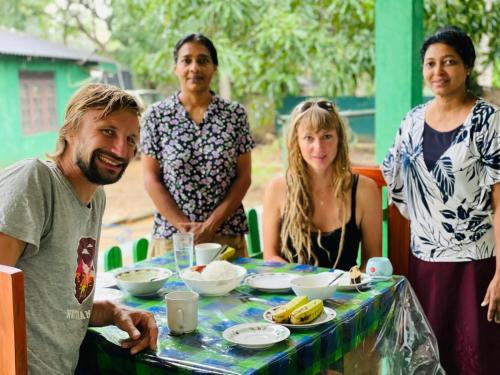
{"x":110,"y":294}
{"x":344,"y":283}
{"x":327,"y":315}
{"x":271,"y":282}
{"x":256,"y":335}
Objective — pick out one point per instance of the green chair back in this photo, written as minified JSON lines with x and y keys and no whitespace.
{"x":112,"y":258}
{"x":140,"y":249}
{"x":253,"y":237}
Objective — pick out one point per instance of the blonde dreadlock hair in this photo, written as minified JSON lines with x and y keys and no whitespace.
{"x":297,"y":225}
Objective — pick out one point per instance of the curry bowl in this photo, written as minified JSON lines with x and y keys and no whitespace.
{"x":142,"y":281}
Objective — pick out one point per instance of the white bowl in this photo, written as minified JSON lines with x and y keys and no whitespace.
{"x":142,"y":281}
{"x":314,"y":286}
{"x":215,"y":287}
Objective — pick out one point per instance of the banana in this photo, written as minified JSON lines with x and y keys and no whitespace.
{"x":282,"y":314}
{"x":307,"y":313}
{"x":228,"y":254}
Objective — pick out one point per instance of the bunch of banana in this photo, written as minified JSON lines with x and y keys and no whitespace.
{"x":282,"y":314}
{"x":307,"y":313}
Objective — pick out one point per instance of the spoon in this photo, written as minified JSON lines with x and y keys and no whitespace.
{"x":221,"y":250}
{"x":335,"y":278}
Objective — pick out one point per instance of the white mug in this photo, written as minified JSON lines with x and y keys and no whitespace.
{"x":205,"y":252}
{"x":182,"y":312}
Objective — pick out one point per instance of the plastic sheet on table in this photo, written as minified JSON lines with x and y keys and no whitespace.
{"x":380,"y":330}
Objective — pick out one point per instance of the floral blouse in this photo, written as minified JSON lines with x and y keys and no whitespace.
{"x":198,"y":162}
{"x":449,"y":207}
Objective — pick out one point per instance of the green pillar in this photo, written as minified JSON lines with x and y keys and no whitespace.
{"x":398,"y":75}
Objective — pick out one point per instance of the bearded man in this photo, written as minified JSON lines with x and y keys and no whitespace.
{"x":50,"y":223}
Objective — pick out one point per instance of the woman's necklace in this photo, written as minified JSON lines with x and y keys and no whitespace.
{"x":323,"y":196}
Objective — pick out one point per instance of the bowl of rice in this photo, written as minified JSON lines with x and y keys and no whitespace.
{"x":216,"y":279}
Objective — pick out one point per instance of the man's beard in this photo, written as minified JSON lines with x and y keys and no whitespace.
{"x":93,"y":174}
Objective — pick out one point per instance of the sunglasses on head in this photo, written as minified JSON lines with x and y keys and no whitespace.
{"x":323,"y":104}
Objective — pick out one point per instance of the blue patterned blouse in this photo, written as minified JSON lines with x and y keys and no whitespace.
{"x":449,"y":207}
{"x":198,"y":162}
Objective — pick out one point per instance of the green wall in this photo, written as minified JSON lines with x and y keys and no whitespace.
{"x":15,"y":145}
{"x":398,"y":75}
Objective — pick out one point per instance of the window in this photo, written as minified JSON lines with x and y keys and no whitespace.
{"x":38,"y":102}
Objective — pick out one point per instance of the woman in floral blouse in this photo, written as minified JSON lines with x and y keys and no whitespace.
{"x":196,"y":155}
{"x":443,"y":173}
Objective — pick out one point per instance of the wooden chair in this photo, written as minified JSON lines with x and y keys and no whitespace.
{"x":398,"y":228}
{"x":112,"y":258}
{"x":140,"y":249}
{"x":13,"y":349}
{"x":253,"y":237}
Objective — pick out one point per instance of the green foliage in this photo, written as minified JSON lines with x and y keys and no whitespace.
{"x":266,"y":47}
{"x":26,"y":15}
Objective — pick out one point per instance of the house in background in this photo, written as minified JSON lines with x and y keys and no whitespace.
{"x":37,"y":78}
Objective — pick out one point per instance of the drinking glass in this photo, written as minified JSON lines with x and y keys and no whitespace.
{"x":183,"y":251}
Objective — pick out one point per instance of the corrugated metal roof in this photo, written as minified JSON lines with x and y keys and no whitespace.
{"x":19,"y":44}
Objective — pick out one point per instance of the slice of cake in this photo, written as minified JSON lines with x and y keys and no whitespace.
{"x":355,"y":275}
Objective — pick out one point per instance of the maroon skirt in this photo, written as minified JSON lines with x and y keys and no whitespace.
{"x":451,"y":294}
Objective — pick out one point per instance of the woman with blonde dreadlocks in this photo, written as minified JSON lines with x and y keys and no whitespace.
{"x":320,"y":212}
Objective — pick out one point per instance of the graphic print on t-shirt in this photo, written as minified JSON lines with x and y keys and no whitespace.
{"x":85,"y":271}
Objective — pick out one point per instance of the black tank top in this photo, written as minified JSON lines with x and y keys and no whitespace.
{"x":330,"y":241}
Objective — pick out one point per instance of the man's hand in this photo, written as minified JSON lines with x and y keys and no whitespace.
{"x":140,"y":325}
{"x":492,"y":299}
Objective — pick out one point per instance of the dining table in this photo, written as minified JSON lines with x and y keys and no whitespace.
{"x":379,"y":328}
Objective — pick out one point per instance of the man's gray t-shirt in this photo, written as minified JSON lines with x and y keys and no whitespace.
{"x":39,"y":206}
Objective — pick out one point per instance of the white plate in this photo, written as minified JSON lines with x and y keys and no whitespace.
{"x":110,"y":294}
{"x":271,"y":282}
{"x":344,"y":283}
{"x":327,"y":315}
{"x":256,"y":335}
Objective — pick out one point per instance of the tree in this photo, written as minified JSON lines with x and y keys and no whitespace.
{"x":264,"y":46}
{"x":268,"y":47}
{"x":26,"y":15}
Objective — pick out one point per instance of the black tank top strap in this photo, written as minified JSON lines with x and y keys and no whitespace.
{"x":354,"y":187}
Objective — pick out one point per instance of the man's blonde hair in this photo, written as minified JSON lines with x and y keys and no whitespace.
{"x":297,"y":225}
{"x":93,"y":96}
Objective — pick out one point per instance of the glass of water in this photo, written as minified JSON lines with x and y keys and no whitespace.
{"x":183,"y":251}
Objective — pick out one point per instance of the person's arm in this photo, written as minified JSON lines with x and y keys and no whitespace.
{"x":369,"y":201}
{"x":159,"y":194}
{"x":205,"y":231}
{"x":10,"y":250}
{"x":140,"y":325}
{"x":492,"y":297}
{"x":273,"y":199}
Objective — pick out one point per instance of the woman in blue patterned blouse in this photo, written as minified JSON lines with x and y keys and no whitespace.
{"x":196,"y":155}
{"x":443,"y":173}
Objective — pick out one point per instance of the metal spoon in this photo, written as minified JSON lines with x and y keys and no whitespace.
{"x":335,"y":278}
{"x":221,"y":250}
